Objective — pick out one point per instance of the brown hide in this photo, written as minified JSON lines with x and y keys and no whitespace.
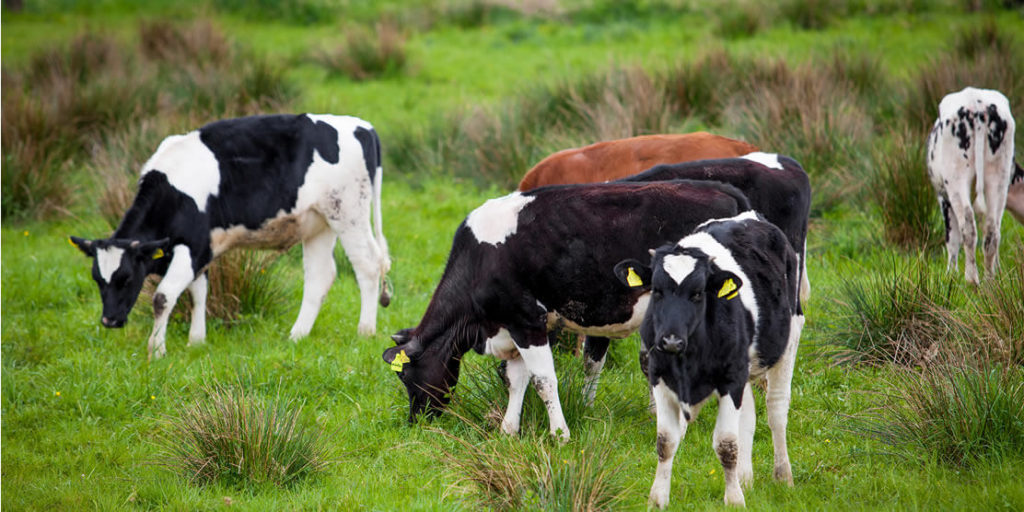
{"x":614,"y":159}
{"x":1015,"y":201}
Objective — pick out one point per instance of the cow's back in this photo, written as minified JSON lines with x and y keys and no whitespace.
{"x":611,"y":160}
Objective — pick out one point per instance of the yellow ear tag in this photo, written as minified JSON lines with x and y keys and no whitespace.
{"x":632,"y":279}
{"x":728,"y":287}
{"x":72,"y":242}
{"x":400,"y":359}
{"x":158,"y":254}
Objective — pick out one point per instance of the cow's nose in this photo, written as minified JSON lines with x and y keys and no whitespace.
{"x":672,"y":344}
{"x":111,"y":323}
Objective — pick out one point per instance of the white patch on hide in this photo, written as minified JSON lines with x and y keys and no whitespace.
{"x":109,"y":260}
{"x":497,"y":219}
{"x":766,"y":159}
{"x":620,"y":330}
{"x":678,"y":266}
{"x":189,"y":165}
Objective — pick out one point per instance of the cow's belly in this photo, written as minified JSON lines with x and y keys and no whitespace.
{"x":280,"y":232}
{"x":619,"y":330}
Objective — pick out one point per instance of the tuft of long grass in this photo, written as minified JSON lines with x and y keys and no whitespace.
{"x":367,"y":54}
{"x":904,"y":195}
{"x":998,"y":310}
{"x":904,"y":316}
{"x":233,"y":436}
{"x":504,"y":473}
{"x":957,"y":413}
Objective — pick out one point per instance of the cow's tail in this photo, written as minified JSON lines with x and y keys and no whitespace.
{"x":980,"y":134}
{"x":378,"y":223}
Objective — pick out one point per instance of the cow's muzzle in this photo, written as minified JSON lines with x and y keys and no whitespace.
{"x":672,"y":344}
{"x":112,"y":323}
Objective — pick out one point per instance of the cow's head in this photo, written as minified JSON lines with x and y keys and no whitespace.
{"x":683,"y":283}
{"x":428,"y":368}
{"x":120,"y":267}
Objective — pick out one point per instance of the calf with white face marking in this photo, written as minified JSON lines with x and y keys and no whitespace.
{"x":724,"y":311}
{"x":262,"y":181}
{"x":531,"y":261}
{"x":972,"y":143}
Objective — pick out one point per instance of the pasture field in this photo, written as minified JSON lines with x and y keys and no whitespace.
{"x":909,"y":387}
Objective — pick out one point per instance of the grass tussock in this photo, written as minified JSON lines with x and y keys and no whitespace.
{"x":506,"y":473}
{"x":235,"y":437}
{"x":898,"y":317}
{"x":958,"y":414}
{"x":904,"y":195}
{"x":367,"y":54}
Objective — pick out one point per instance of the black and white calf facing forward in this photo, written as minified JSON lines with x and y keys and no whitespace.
{"x":262,"y":181}
{"x":724,"y":311}
{"x":526,"y":262}
{"x":972,"y":143}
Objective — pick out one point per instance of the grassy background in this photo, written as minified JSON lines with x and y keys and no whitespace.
{"x":83,"y":413}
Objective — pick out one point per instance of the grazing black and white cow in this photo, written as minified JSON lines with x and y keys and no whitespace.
{"x":530,"y":261}
{"x":262,"y":181}
{"x":724,"y":310}
{"x":776,"y":186}
{"x":972,"y":143}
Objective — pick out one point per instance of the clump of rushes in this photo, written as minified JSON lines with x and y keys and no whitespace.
{"x":367,"y":54}
{"x":232,"y":436}
{"x":998,"y":314}
{"x":906,"y":201}
{"x":958,"y":413}
{"x":505,"y":473}
{"x":903,"y":316}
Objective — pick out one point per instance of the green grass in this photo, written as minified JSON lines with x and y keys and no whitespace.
{"x":83,"y":411}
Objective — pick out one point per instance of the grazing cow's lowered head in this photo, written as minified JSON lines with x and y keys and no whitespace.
{"x":120,"y":268}
{"x":428,"y":375}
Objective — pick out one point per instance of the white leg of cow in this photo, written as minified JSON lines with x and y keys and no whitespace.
{"x":178,"y":277}
{"x":953,"y":234}
{"x":748,"y":412}
{"x":780,"y":378}
{"x":996,"y":188}
{"x":518,"y":380}
{"x":197,"y":331}
{"x":367,"y":262}
{"x":541,"y":365}
{"x":318,"y":276}
{"x":961,"y":210}
{"x":805,"y":283}
{"x":671,"y":430}
{"x":595,"y":352}
{"x":726,"y":441}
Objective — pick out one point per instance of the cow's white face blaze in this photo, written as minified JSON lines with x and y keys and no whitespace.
{"x":497,"y":219}
{"x":108,"y":260}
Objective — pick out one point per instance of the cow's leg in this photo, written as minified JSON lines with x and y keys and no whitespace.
{"x":671,"y":429}
{"x":1015,"y":201}
{"x":997,"y":186}
{"x":805,"y":283}
{"x":726,"y":441}
{"x":318,"y":276}
{"x":595,"y":351}
{"x":197,"y":331}
{"x":777,"y":396}
{"x":964,"y":215}
{"x":747,"y":424}
{"x":953,"y":235}
{"x":518,"y":377}
{"x":541,"y":365}
{"x":367,"y":263}
{"x":178,"y":277}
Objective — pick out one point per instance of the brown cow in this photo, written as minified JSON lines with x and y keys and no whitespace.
{"x":614,"y":159}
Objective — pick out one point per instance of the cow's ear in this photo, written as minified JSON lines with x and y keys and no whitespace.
{"x":402,"y":336}
{"x":725,"y":285}
{"x":400,"y":355}
{"x":88,"y":247}
{"x":153,"y":250}
{"x":633,"y":274}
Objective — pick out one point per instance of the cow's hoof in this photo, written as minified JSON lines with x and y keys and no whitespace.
{"x":159,"y":352}
{"x":784,"y":473}
{"x":657,"y":499}
{"x":196,"y":342}
{"x":367,"y":330}
{"x":734,"y":497}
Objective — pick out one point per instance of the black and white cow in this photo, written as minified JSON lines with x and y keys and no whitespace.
{"x":972,"y":143}
{"x":530,"y":261}
{"x":724,"y":310}
{"x":776,"y":186}
{"x":262,"y":181}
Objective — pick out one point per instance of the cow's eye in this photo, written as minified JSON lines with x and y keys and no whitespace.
{"x":697,"y":297}
{"x":656,"y":294}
